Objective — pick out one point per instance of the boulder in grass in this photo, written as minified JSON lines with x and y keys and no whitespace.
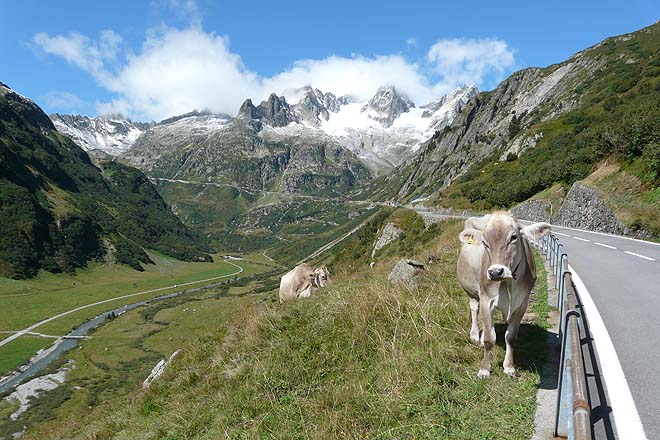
{"x":406,"y":273}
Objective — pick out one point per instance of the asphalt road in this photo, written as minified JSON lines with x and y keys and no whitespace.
{"x":623,"y":278}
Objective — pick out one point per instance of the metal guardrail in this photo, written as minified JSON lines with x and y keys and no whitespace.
{"x":573,"y":414}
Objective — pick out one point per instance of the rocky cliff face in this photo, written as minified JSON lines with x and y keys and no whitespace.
{"x":389,"y":130}
{"x":314,"y":106}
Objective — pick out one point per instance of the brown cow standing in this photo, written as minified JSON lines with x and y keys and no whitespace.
{"x":496,"y":269}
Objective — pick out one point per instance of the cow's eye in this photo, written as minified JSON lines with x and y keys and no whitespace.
{"x":485,"y":244}
{"x":513,"y":237}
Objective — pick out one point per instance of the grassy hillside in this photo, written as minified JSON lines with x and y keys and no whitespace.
{"x":361,"y":359}
{"x":239,"y":220}
{"x":60,"y":211}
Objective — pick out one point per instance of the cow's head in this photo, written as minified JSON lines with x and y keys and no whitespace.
{"x":321,"y":276}
{"x":502,"y":241}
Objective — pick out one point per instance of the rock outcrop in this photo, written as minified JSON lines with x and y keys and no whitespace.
{"x":387,"y":105}
{"x":387,"y":236}
{"x":159,"y":369}
{"x":407,"y":273}
{"x":499,"y":121}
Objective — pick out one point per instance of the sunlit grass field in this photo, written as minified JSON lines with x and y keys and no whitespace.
{"x":25,"y":302}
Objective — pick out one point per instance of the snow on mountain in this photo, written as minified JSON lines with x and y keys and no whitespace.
{"x":386,"y":106}
{"x":386,"y":130}
{"x":110,"y":134}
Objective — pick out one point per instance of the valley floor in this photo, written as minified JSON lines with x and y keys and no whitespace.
{"x":54,"y":304}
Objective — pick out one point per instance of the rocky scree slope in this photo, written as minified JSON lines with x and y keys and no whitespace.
{"x":59,"y":210}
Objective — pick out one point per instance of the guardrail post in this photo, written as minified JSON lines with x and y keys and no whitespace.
{"x":564,"y":393}
{"x":561,"y":302}
{"x":552,"y":249}
{"x":559,"y":256}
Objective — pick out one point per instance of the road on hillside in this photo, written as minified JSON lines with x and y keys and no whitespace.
{"x":623,"y":278}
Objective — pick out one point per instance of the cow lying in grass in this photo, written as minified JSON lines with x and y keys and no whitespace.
{"x":496,"y":269}
{"x":301,"y":281}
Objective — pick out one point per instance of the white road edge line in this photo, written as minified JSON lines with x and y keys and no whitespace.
{"x":600,"y":233}
{"x":640,"y":256}
{"x":581,"y":239}
{"x":604,"y":245}
{"x":559,"y":233}
{"x":626,"y":418}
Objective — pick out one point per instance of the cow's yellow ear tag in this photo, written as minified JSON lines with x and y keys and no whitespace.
{"x":470,"y":240}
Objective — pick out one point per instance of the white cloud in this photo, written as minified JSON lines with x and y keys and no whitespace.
{"x":412,"y":41}
{"x":357,"y":76}
{"x":178,"y":70}
{"x":91,"y":56}
{"x":63,"y":100}
{"x":461,"y":61}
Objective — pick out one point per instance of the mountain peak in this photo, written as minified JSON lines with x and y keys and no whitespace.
{"x":386,"y":105}
{"x":273,"y":106}
{"x":248,"y":110}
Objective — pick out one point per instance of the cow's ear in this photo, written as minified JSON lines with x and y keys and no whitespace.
{"x":470,"y":236}
{"x":535,"y":230}
{"x":478,"y":223}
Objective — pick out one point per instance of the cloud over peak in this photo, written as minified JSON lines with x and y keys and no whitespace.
{"x":178,"y":70}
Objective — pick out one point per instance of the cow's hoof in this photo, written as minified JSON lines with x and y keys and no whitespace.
{"x":483,"y":374}
{"x":475,"y":338}
{"x":511,"y":372}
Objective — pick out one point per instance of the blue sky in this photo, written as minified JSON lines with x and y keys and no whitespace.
{"x":156,"y":58}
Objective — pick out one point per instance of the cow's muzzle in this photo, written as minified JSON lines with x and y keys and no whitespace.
{"x":498,"y":272}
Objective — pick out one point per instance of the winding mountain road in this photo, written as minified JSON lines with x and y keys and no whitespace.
{"x":622,"y":276}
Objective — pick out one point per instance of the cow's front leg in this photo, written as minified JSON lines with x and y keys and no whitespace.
{"x":306,"y":293}
{"x":474,"y":314}
{"x":487,"y":305}
{"x":512,"y":338}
